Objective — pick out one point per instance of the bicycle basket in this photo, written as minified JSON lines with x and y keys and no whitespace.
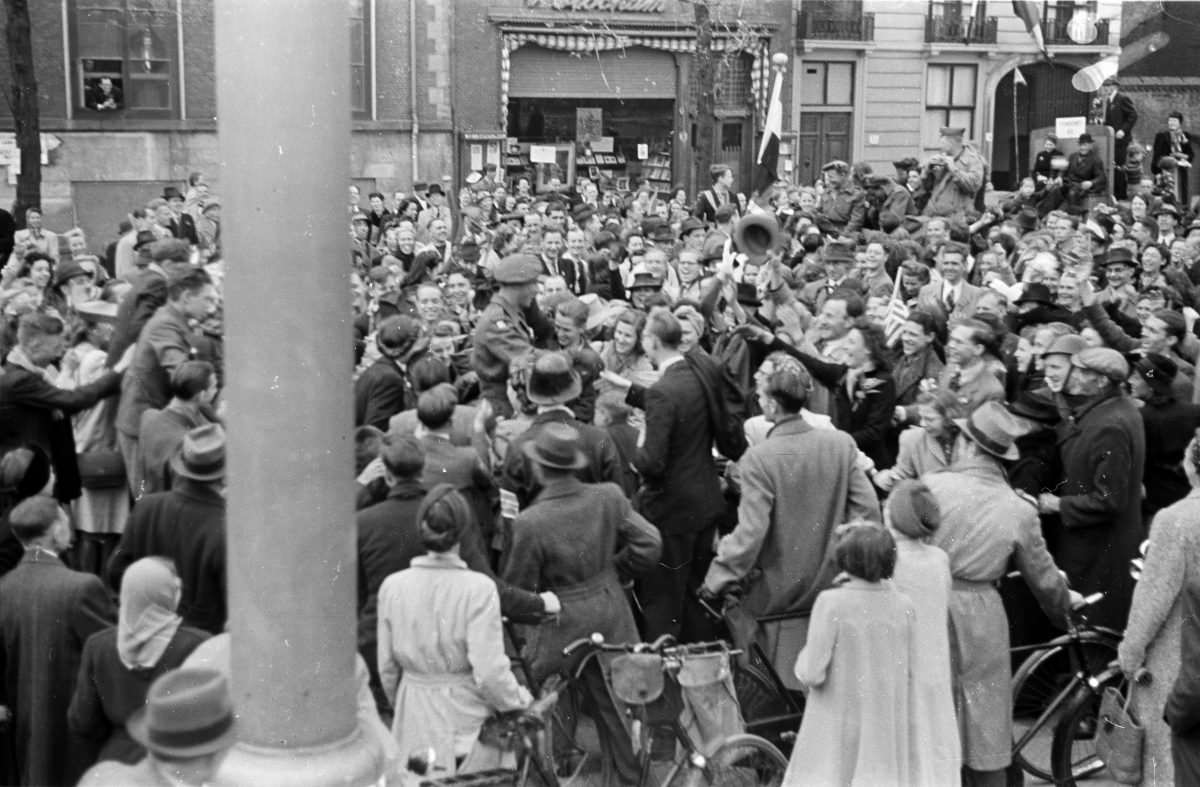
{"x":637,"y":678}
{"x":710,"y":706}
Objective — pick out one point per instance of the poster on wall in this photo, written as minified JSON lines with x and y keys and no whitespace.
{"x":1070,"y":128}
{"x":492,"y":155}
{"x":589,"y":124}
{"x":477,"y":158}
{"x":541,"y":154}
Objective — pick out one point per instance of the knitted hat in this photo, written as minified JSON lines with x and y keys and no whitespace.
{"x":912,"y":509}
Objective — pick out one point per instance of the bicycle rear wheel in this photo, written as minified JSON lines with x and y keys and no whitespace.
{"x":759,"y":699}
{"x":1074,"y":755}
{"x":1042,"y":677}
{"x":569,"y":749}
{"x":739,"y":761}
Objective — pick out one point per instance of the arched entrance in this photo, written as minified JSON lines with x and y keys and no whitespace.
{"x":1048,"y":95}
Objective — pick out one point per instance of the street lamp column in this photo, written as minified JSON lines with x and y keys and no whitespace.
{"x":284,"y":127}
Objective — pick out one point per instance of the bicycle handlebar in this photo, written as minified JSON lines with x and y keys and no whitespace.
{"x":663,"y":646}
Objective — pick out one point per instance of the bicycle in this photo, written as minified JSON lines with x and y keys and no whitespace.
{"x":1046,"y":682}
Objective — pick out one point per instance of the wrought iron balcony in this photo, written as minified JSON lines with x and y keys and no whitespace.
{"x":956,"y":30}
{"x":819,"y":27}
{"x":1055,"y":32}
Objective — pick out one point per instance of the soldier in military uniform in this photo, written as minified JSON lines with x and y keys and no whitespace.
{"x":959,"y":172}
{"x":508,"y":327}
{"x":843,"y":206}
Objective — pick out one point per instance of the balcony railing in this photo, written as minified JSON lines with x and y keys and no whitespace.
{"x":818,"y":27}
{"x":956,"y":30}
{"x":1055,"y":32}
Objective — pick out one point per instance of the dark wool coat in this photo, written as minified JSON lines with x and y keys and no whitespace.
{"x":47,"y":614}
{"x":1103,"y":452}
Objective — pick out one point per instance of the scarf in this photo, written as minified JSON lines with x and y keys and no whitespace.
{"x":147,"y":620}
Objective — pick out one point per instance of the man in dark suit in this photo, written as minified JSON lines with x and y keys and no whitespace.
{"x":182,"y":225}
{"x":463,"y":466}
{"x":681,"y":491}
{"x":711,"y":200}
{"x":1120,"y":115}
{"x":389,"y":538}
{"x":1177,"y":144}
{"x":164,"y":259}
{"x":35,"y":412}
{"x":553,"y":385}
{"x":49,"y":611}
{"x":384,"y":389}
{"x":187,"y":525}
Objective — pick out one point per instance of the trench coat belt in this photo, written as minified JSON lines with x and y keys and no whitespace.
{"x":587,"y":587}
{"x":438,"y":678}
{"x":972,"y":585}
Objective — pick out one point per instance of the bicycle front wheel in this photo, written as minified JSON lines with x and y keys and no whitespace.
{"x":739,"y":761}
{"x":1074,"y":756}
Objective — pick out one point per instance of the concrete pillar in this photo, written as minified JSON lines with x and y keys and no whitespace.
{"x":284,"y":129}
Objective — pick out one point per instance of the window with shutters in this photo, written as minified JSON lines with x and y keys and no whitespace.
{"x":125,"y":56}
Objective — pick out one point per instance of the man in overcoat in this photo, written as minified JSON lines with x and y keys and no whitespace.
{"x":797,"y":487}
{"x":384,"y":388}
{"x":580,"y":541}
{"x":1103,"y":450}
{"x":48,"y":612}
{"x":985,"y":524}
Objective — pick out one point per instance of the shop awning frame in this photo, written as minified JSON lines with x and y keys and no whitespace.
{"x":594,"y":41}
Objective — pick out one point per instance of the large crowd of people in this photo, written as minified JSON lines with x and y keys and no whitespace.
{"x":842,"y":410}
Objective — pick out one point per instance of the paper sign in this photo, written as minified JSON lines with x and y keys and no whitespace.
{"x":493,"y":153}
{"x":602,"y":145}
{"x":643,"y":152}
{"x":589,"y":123}
{"x":477,"y":157}
{"x":541,"y":154}
{"x":1069,"y":128}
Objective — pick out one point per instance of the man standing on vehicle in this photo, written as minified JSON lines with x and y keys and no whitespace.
{"x":797,"y":486}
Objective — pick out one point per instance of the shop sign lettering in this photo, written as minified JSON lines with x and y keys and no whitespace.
{"x":610,"y":6}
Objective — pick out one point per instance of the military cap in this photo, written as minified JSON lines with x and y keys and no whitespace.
{"x":951,"y":131}
{"x":517,"y":269}
{"x":838,"y":165}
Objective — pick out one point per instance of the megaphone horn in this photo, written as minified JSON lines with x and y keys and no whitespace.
{"x":756,"y":234}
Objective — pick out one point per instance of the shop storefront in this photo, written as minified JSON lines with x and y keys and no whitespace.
{"x":613,"y":97}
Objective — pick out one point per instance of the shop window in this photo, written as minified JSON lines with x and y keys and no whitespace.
{"x":361,"y":53}
{"x":950,"y":100}
{"x":731,"y":80}
{"x":125,"y":56}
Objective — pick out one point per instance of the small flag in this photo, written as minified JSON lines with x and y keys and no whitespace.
{"x":766,"y":170}
{"x":1018,"y":77}
{"x":1029,"y":12}
{"x":897,"y":315}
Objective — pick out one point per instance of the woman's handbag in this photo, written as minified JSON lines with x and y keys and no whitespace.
{"x":101,"y":469}
{"x":1120,"y":737}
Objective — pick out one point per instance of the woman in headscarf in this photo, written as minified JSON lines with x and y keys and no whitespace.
{"x":120,"y":662}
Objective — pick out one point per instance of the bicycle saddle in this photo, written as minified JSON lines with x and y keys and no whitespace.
{"x":637,"y":678}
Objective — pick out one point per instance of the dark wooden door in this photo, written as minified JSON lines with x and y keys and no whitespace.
{"x":824,"y":136}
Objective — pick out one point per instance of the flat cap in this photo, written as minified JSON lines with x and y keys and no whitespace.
{"x":517,"y":269}
{"x":1103,"y":360}
{"x":1070,"y":344}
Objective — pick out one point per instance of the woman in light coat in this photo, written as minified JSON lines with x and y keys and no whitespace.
{"x":857,"y":668}
{"x":923,"y":574}
{"x":1155,"y":618}
{"x":441,"y":645}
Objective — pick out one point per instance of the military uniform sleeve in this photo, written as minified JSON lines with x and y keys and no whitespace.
{"x":503,"y":338}
{"x":967,"y":173}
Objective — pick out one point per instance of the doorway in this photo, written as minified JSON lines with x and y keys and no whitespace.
{"x":824,"y":137}
{"x":1047,"y":95}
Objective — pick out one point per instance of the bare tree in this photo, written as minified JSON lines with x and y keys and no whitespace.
{"x":705,"y":117}
{"x":22,"y":99}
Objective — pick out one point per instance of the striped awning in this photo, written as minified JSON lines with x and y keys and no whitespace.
{"x":607,"y":41}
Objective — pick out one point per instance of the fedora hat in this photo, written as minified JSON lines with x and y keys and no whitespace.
{"x":556,"y":445}
{"x":171,"y":192}
{"x":1036,"y":406}
{"x":202,"y":455}
{"x":67,"y":270}
{"x":993,"y":429}
{"x":1117,"y":255}
{"x":553,"y":380}
{"x":188,"y":713}
{"x":1036,"y":292}
{"x":1026,"y":220}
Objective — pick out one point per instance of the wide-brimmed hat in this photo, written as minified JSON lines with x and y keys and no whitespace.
{"x":553,"y":380}
{"x":171,"y":192}
{"x":98,"y":311}
{"x":691,"y":224}
{"x":188,"y":713}
{"x":201,"y":457}
{"x":1117,"y":255}
{"x":556,"y":445}
{"x":1166,"y":207}
{"x":1036,"y":406}
{"x":993,"y":429}
{"x":1026,"y":219}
